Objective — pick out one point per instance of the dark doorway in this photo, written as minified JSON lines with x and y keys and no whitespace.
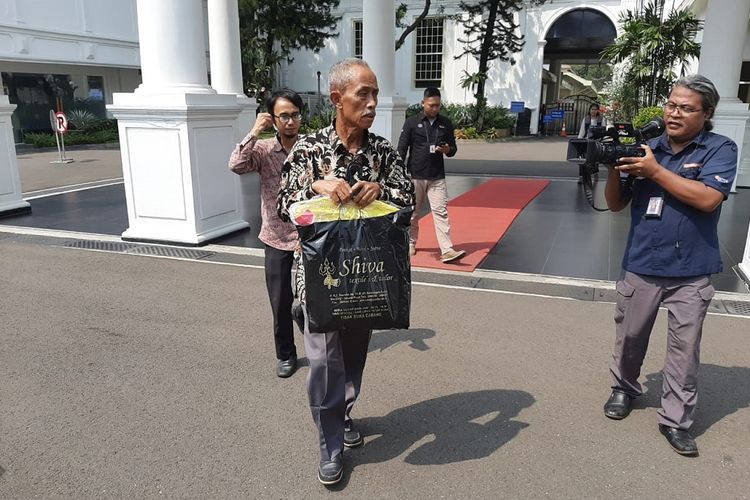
{"x":574,"y":78}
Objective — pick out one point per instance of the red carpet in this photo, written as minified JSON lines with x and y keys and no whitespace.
{"x":479,"y":218}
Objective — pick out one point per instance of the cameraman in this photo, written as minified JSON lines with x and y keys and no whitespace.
{"x":673,"y":249}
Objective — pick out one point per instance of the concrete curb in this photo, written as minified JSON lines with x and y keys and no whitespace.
{"x":734,"y":304}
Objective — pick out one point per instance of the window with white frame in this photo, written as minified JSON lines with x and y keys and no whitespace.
{"x":428,"y":57}
{"x":357,"y":29}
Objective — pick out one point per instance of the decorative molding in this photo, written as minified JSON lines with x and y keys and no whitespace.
{"x":23,"y":45}
{"x":69,"y":36}
{"x":88,"y":51}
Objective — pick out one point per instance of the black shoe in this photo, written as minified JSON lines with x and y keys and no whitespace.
{"x":680,"y":440}
{"x":330,"y":471}
{"x":352,"y":437}
{"x":286,"y":367}
{"x":618,"y":405}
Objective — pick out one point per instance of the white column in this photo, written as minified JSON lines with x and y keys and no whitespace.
{"x":11,"y":201}
{"x":224,"y":44}
{"x":724,"y":33}
{"x":379,"y":50}
{"x":176,"y":134}
{"x":226,"y":78}
{"x":170,"y":36}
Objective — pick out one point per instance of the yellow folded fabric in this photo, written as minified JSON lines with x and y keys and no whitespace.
{"x":322,"y":209}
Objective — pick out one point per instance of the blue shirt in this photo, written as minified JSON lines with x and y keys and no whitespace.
{"x":684,"y":241}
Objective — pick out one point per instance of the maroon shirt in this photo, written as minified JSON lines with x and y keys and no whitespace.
{"x":266,"y":156}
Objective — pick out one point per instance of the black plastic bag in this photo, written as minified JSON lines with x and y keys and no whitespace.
{"x":357,"y":273}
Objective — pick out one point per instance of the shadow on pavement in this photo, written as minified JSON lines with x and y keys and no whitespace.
{"x":448,"y":429}
{"x":722,"y":390}
{"x":383,"y":339}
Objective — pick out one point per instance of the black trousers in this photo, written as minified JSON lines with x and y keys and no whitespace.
{"x":279,"y":284}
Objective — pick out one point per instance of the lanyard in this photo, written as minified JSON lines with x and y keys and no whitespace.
{"x":427,"y":128}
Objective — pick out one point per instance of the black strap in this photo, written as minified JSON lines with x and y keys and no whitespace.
{"x":588,"y":186}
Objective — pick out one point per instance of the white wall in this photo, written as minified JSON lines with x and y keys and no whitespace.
{"x":90,"y":32}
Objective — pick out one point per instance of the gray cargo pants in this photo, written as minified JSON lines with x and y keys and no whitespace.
{"x":337,"y":361}
{"x":638,"y":301}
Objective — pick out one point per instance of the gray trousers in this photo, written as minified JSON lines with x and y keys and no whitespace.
{"x":638,"y":301}
{"x":337,"y":360}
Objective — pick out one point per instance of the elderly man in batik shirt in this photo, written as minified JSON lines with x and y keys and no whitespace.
{"x":320,"y":164}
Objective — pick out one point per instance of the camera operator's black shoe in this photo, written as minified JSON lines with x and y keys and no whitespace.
{"x":618,"y":405}
{"x":680,"y":440}
{"x":331,"y":471}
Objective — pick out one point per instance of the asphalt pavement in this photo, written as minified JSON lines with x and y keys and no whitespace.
{"x":148,"y":372}
{"x":130,"y":376}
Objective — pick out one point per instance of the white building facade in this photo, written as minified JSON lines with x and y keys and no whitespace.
{"x":428,"y":56}
{"x":90,"y":44}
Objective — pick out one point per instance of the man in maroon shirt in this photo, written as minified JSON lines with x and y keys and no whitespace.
{"x":267,"y":156}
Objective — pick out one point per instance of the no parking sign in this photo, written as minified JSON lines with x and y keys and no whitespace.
{"x":61,"y":122}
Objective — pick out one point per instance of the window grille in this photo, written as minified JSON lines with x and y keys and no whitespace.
{"x":428,"y":67}
{"x":358,"y":38}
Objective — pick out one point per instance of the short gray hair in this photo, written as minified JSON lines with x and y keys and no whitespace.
{"x":705,"y":87}
{"x":342,"y":73}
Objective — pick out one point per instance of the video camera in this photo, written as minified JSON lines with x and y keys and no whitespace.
{"x":605,"y":147}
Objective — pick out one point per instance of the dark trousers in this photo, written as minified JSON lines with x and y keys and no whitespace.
{"x":337,"y":361}
{"x":279,"y":284}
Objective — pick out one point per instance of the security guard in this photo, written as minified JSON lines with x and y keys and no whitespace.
{"x":675,"y":192}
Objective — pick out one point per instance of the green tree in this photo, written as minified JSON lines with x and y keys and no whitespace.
{"x":271,"y":29}
{"x":652,"y":48}
{"x":490,"y":33}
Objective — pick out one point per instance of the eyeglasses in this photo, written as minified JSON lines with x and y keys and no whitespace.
{"x":284,"y":118}
{"x":671,"y":107}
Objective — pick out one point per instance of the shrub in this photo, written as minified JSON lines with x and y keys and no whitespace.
{"x":462,"y":115}
{"x":467,"y":133}
{"x":98,"y":137}
{"x":39,"y":140}
{"x":323,"y":116}
{"x":645,"y":115}
{"x":42,"y":140}
{"x":81,"y":119}
{"x":414,"y":109}
{"x":498,"y":117}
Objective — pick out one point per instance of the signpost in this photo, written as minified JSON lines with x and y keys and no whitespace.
{"x":557,"y":114}
{"x":59,"y":123}
{"x":546,"y":119}
{"x":516,"y":107}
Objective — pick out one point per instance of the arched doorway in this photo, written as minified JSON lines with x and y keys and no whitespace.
{"x":575,"y":73}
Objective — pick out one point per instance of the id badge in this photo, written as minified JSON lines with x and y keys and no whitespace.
{"x":432,"y":148}
{"x":655,"y":205}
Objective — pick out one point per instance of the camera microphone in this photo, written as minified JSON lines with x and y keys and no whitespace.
{"x":652,"y":129}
